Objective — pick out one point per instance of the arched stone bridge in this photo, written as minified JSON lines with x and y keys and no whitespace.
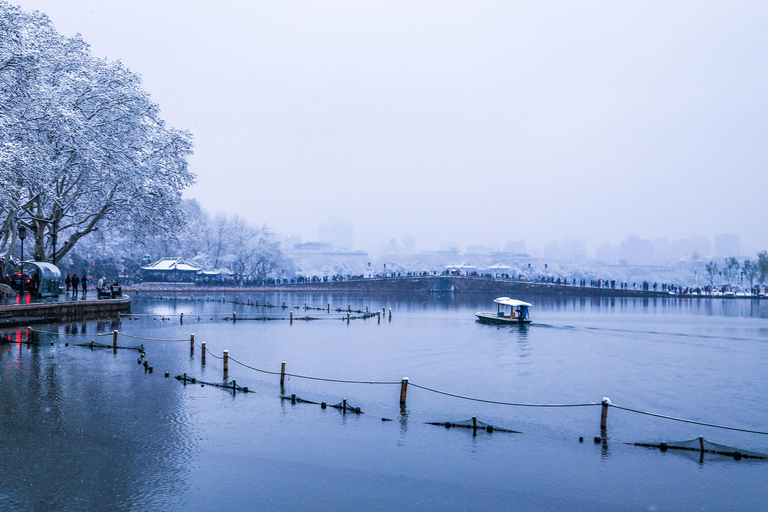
{"x":465,"y":284}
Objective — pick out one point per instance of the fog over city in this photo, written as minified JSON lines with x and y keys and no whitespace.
{"x":460,"y":124}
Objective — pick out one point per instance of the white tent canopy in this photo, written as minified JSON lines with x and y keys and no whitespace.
{"x":506,"y":301}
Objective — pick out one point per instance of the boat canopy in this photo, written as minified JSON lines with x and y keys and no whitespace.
{"x":506,"y":301}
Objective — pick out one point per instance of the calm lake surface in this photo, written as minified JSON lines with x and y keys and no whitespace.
{"x":91,"y":430}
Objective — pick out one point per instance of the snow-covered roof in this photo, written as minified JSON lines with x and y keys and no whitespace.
{"x":506,"y":301}
{"x":171,"y":264}
{"x":219,"y":272}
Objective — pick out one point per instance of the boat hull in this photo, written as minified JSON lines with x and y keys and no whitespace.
{"x":493,"y":318}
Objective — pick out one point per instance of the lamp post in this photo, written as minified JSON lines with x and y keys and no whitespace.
{"x":22,"y":236}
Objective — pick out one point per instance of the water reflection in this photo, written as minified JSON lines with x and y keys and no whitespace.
{"x":81,"y":435}
{"x":114,"y":437}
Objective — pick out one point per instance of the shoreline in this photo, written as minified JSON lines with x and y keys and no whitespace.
{"x":429,"y":285}
{"x":61,"y":311}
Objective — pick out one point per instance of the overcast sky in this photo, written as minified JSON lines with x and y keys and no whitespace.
{"x":475,"y":122}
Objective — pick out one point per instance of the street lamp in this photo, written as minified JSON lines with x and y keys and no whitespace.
{"x":22,"y":236}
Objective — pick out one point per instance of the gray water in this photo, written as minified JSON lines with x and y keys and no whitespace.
{"x":91,"y":430}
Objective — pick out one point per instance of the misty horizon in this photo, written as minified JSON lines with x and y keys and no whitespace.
{"x":472,"y":124}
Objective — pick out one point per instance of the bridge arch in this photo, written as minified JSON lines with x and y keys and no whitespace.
{"x":444,"y":286}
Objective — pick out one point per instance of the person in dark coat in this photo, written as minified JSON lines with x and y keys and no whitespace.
{"x":68,"y":281}
{"x":84,"y":282}
{"x":75,"y":283}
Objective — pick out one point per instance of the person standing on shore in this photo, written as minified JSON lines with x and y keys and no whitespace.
{"x":68,"y":282}
{"x":75,"y":283}
{"x":85,"y":284}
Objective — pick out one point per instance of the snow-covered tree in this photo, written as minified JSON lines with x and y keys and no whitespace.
{"x":730,"y":269}
{"x":751,"y":271}
{"x":81,"y":143}
{"x":762,"y":265}
{"x":712,"y":270}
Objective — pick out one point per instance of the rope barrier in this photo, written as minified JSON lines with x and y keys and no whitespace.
{"x":690,"y":421}
{"x":169,"y":315}
{"x":136,"y":337}
{"x":311,"y":378}
{"x":425,"y":388}
{"x":54,"y":333}
{"x":497,"y":402}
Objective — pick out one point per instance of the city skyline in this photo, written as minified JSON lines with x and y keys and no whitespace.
{"x":474,"y":123}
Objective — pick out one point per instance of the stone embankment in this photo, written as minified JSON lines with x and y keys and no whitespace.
{"x":62,"y":311}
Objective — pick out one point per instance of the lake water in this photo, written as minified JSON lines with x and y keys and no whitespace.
{"x":91,"y":430}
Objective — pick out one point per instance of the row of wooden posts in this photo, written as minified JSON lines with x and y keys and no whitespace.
{"x":379,"y":314}
{"x":403,"y":383}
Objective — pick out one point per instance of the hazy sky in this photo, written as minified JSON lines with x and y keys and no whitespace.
{"x":476,"y":122}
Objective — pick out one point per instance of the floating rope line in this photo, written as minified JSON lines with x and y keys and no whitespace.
{"x":308,"y":377}
{"x":454,"y":395}
{"x":136,"y":337}
{"x":343,"y":406}
{"x":296,"y":400}
{"x":169,"y":315}
{"x":497,"y":402}
{"x":54,"y":333}
{"x":690,"y":421}
{"x":703,"y":446}
{"x":226,"y":385}
{"x":93,"y":345}
{"x":474,"y":424}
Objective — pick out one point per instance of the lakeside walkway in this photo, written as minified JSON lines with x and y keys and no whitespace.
{"x":23,"y":310}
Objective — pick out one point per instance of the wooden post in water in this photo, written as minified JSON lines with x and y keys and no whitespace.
{"x":114,"y":340}
{"x":347,"y":317}
{"x":181,"y":318}
{"x":234,"y":317}
{"x":291,"y":317}
{"x":390,"y":314}
{"x":202,"y":346}
{"x":192,"y":345}
{"x":378,"y":317}
{"x":604,"y":415}
{"x":282,"y":375}
{"x":403,"y":391}
{"x":329,"y":307}
{"x":226,"y":363}
{"x":701,"y":444}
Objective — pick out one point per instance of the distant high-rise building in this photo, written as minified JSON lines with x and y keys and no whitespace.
{"x":516,"y":247}
{"x":608,"y":254}
{"x":727,"y":246}
{"x":687,"y":247}
{"x":573,"y":249}
{"x":636,"y":251}
{"x":337,"y":232}
{"x":409,"y":244}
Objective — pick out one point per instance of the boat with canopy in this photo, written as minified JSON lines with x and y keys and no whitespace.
{"x":516,"y":314}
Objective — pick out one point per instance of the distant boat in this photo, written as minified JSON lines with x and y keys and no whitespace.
{"x":516,"y":314}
